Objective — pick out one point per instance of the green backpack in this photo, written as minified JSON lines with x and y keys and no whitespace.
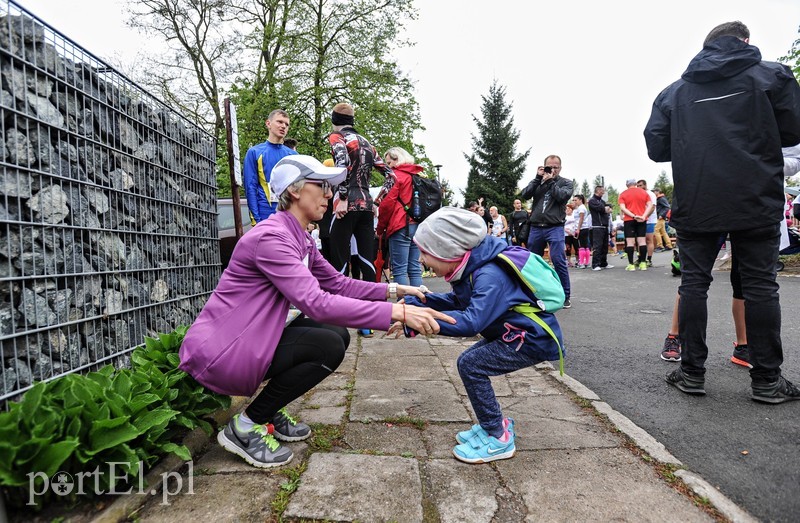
{"x":541,"y":282}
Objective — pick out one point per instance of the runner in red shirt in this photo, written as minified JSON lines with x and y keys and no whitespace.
{"x":635,"y":204}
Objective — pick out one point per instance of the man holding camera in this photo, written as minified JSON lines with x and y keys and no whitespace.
{"x":550,"y":193}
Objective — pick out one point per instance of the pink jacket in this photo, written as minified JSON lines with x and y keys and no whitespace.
{"x":231,"y":344}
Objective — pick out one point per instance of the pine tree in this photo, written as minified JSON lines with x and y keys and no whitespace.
{"x":663,"y":183}
{"x":495,"y":166}
{"x":585,"y":191}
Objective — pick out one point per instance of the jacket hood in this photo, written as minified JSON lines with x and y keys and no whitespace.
{"x":409,"y":168}
{"x":723,"y":58}
{"x":484,"y":253}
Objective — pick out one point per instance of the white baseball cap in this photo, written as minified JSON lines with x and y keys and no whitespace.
{"x":297,"y":167}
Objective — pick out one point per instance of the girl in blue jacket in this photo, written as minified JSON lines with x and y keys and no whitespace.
{"x":486,"y":299}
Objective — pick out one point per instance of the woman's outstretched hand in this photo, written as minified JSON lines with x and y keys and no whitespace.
{"x":408,"y":290}
{"x":420,"y":319}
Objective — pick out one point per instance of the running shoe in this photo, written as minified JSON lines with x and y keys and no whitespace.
{"x":672,"y":349}
{"x":741,"y":355}
{"x":687,"y":384}
{"x":483,"y":448}
{"x":630,"y":267}
{"x":256,"y":446}
{"x":776,"y":391}
{"x":286,"y":428}
{"x":466,"y":435}
{"x":643,"y":266}
{"x":567,"y":304}
{"x":366,"y":333}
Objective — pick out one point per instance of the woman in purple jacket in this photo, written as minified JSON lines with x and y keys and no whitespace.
{"x":243,"y":335}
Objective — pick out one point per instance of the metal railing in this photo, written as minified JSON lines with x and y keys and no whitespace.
{"x":108,"y":226}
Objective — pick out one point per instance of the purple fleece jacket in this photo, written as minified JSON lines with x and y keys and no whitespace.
{"x":230,"y":346}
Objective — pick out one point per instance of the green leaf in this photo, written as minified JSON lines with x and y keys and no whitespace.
{"x":173,"y":360}
{"x":179,"y":450}
{"x":122,"y":384}
{"x":51,"y":458}
{"x":141,"y":401}
{"x":105,"y":434}
{"x":32,"y":400}
{"x":101,"y":377}
{"x":154,"y":418}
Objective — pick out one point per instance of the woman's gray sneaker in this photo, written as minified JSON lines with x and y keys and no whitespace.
{"x":257,"y":446}
{"x":289,"y":429}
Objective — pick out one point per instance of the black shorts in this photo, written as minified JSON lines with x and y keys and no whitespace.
{"x":634,"y":229}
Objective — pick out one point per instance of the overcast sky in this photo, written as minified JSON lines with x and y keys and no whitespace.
{"x":581,"y":75}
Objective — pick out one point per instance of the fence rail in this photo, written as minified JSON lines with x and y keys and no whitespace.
{"x":108,"y":210}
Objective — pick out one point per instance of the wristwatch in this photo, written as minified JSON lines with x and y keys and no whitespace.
{"x":393,"y":291}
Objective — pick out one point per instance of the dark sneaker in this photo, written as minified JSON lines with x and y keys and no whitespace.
{"x":257,"y":446}
{"x":672,"y":349}
{"x":685,"y":383}
{"x":286,"y":428}
{"x":567,"y":303}
{"x":741,"y":355}
{"x":776,"y":391}
{"x":366,"y":333}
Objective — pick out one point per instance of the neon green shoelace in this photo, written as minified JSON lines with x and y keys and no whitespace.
{"x":288,"y":416}
{"x":266,"y":437}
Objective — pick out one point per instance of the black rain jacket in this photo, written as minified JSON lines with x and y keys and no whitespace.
{"x":723,"y":125}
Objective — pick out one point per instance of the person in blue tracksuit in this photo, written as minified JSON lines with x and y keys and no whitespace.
{"x":454,"y":243}
{"x":258,"y":164}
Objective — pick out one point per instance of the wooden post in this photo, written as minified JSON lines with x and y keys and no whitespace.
{"x":234,"y":166}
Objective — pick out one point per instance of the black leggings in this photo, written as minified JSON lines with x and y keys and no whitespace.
{"x":307,"y":353}
{"x":360,"y":225}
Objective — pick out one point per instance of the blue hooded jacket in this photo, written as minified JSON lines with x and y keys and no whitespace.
{"x":480,"y":301}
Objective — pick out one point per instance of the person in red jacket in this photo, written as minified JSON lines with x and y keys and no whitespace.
{"x":394,"y":222}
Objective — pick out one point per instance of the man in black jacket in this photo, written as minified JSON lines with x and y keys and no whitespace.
{"x":723,"y":125}
{"x":550,"y":193}
{"x":518,"y":221}
{"x":662,"y":240}
{"x":597,"y":208}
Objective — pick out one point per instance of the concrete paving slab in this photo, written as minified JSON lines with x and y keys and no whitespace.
{"x":462,"y":493}
{"x":358,"y":487}
{"x":440,"y":439}
{"x":544,"y":433}
{"x":378,"y":367}
{"x":336,"y":381}
{"x":384,"y":438}
{"x":324,"y":415}
{"x":593,"y":485}
{"x":529,"y":385}
{"x":326,"y":398}
{"x":396,"y":347}
{"x":553,"y":407}
{"x":228,"y":497}
{"x":446,"y":340}
{"x":427,"y":400}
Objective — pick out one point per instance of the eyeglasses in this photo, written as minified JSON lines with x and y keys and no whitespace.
{"x":324,"y":185}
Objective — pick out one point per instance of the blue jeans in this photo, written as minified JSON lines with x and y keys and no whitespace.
{"x":756,"y":253}
{"x":404,"y":257}
{"x":475,"y":366}
{"x":554,"y":238}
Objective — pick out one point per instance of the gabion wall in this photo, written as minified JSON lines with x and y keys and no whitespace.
{"x":107,"y":210}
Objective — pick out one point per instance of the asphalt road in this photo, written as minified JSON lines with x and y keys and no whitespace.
{"x":613,"y":336}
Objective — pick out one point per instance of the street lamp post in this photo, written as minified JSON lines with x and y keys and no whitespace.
{"x":437,"y":167}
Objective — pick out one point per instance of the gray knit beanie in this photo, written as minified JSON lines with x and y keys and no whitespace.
{"x":449,"y":233}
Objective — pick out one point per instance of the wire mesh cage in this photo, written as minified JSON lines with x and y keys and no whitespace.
{"x":108,"y":226}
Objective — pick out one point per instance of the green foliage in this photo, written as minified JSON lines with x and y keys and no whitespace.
{"x":78,"y":423}
{"x":585,"y":190}
{"x":664,"y":183}
{"x":792,"y":58}
{"x":495,"y":165}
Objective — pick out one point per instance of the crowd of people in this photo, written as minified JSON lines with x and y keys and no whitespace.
{"x":281,"y":309}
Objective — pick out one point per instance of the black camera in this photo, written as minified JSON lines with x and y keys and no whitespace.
{"x":548,"y":170}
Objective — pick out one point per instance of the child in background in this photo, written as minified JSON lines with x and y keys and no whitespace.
{"x":454,"y":243}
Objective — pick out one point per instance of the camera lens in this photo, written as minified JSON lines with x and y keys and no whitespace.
{"x":548,"y":170}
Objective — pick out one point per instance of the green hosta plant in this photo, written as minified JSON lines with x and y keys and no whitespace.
{"x":81,"y":423}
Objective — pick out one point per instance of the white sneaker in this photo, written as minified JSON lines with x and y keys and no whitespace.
{"x":608,"y":267}
{"x":597,"y":269}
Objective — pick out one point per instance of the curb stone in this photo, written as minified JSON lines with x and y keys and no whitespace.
{"x":126,"y":505}
{"x":658,"y":452}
